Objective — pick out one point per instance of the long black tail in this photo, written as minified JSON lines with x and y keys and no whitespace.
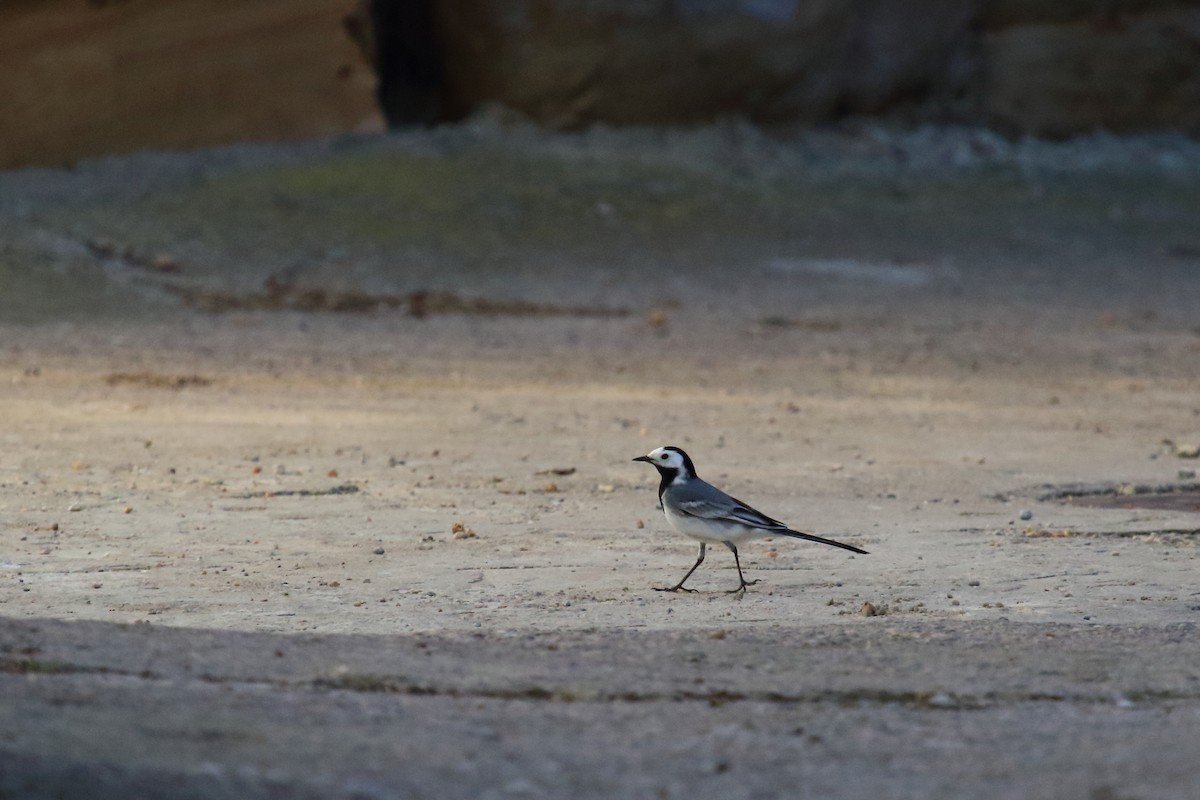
{"x":819,"y":540}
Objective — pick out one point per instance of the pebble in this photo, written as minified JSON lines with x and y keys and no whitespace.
{"x":460,"y":531}
{"x":379,"y":551}
{"x":1026,"y":514}
{"x":1187,"y":450}
{"x":942,"y":700}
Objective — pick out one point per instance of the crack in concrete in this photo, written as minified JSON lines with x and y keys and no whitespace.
{"x":366,"y":683}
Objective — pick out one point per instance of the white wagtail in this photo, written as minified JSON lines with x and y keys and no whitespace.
{"x":700,"y":510}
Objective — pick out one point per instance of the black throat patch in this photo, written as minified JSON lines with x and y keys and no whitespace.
{"x":666,"y":476}
{"x":670,"y":474}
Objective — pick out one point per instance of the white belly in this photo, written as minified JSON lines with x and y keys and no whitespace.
{"x":711,"y":531}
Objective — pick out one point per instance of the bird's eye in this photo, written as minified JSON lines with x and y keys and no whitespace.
{"x":663,"y":456}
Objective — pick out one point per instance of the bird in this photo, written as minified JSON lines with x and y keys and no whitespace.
{"x":696,"y":508}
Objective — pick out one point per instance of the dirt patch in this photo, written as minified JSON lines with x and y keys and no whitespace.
{"x":346,"y":488}
{"x":156,"y":381}
{"x":419,"y":304}
{"x":1162,"y":497}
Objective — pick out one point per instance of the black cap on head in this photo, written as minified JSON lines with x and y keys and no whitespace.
{"x":688,"y":466}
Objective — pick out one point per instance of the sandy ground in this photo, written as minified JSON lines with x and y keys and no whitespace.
{"x":247,"y":515}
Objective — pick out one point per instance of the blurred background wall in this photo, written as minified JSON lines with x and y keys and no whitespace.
{"x":85,"y":77}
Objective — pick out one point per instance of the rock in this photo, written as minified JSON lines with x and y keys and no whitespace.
{"x":1007,"y":13}
{"x":696,"y":60}
{"x":459,"y":530}
{"x":1024,"y":66}
{"x":1120,"y":73}
{"x":81,"y":79}
{"x":942,"y":700}
{"x":1187,"y":450}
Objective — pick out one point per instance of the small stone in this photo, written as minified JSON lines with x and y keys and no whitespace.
{"x":75,"y":507}
{"x":1026,"y":514}
{"x":378,"y":551}
{"x":868,"y":609}
{"x":161,"y":262}
{"x":942,"y":700}
{"x":1187,"y":450}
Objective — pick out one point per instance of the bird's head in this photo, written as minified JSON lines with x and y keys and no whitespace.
{"x":670,"y":460}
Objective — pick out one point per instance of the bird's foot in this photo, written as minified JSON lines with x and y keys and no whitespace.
{"x":742,"y":588}
{"x":679,"y":588}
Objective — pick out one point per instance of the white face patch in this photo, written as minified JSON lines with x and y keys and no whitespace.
{"x":663,"y":457}
{"x":670,"y":461}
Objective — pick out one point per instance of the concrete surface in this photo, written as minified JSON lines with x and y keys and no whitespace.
{"x":229,"y":566}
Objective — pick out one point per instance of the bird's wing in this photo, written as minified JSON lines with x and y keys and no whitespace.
{"x":700,"y":499}
{"x":756,"y":519}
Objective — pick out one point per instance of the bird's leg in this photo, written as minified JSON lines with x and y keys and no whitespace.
{"x":742,"y":582}
{"x":679,"y":586}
